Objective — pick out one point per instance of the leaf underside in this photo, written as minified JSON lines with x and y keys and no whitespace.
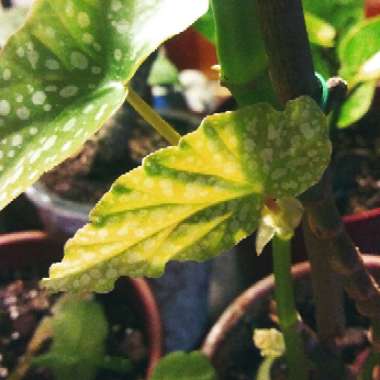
{"x":65,"y":73}
{"x":193,"y":201}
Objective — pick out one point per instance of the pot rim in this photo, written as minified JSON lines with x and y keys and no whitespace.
{"x":43,"y":198}
{"x":140,"y":286}
{"x":232,"y":315}
{"x":363,"y":215}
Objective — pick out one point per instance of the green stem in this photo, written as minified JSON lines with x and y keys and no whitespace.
{"x":240,"y":47}
{"x":287,"y":312}
{"x":153,"y":118}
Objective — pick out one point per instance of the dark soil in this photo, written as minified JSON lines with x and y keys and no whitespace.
{"x":23,"y":305}
{"x":356,"y":164}
{"x":117,"y":148}
{"x":109,"y":154}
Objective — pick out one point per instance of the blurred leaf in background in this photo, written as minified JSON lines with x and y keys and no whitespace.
{"x":359,"y":51}
{"x":181,"y":365}
{"x":205,"y":25}
{"x":320,"y":31}
{"x":341,"y":14}
{"x":163,"y":72}
{"x":359,"y":54}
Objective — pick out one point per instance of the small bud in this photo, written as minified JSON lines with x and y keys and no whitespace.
{"x":270,"y":342}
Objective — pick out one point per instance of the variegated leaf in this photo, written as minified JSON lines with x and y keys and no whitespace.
{"x":195,"y":200}
{"x":65,"y":73}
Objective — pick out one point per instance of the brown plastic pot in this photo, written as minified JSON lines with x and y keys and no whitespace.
{"x":33,"y":250}
{"x":230,"y":339}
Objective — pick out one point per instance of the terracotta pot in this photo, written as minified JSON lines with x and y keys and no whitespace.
{"x":182,"y":290}
{"x":230,"y":339}
{"x":33,"y":249}
{"x":372,"y":8}
{"x":190,"y":50}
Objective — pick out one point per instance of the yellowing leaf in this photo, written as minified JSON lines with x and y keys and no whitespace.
{"x":65,"y":73}
{"x":195,"y":200}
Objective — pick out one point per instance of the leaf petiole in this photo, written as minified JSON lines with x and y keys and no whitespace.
{"x":152,"y":117}
{"x":287,"y":312}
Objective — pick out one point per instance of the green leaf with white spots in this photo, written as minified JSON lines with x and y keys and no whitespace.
{"x":192,"y":201}
{"x":65,"y":73}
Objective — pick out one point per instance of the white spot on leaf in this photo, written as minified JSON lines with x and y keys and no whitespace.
{"x":7,"y":74}
{"x":69,"y":91}
{"x":23,"y":113}
{"x":5,"y":108}
{"x":52,"y":64}
{"x":83,"y":20}
{"x":39,"y":98}
{"x":69,"y":125}
{"x":79,"y":60}
{"x":118,"y":54}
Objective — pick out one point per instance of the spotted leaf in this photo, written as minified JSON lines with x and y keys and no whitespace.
{"x":192,"y":201}
{"x":65,"y":72}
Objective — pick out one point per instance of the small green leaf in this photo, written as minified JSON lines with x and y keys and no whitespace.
{"x":187,"y":366}
{"x":65,"y":73}
{"x":359,"y":52}
{"x":270,"y":342}
{"x":193,"y":201}
{"x":357,"y":104}
{"x":320,"y":32}
{"x":79,"y":332}
{"x":163,"y":72}
{"x":282,"y":220}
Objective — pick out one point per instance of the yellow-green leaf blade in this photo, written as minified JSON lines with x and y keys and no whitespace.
{"x":195,"y":200}
{"x":359,"y":52}
{"x":320,"y":31}
{"x":64,"y":73}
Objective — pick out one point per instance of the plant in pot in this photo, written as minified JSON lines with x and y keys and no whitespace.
{"x":107,"y":337}
{"x":239,"y":171}
{"x":65,"y":195}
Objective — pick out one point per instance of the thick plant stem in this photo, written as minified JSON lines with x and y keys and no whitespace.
{"x":327,"y":289}
{"x":343,"y":256}
{"x":239,"y":45}
{"x":290,"y":62}
{"x":287,"y":312}
{"x":153,"y":118}
{"x":321,"y":212}
{"x":292,"y":74}
{"x":327,"y":285}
